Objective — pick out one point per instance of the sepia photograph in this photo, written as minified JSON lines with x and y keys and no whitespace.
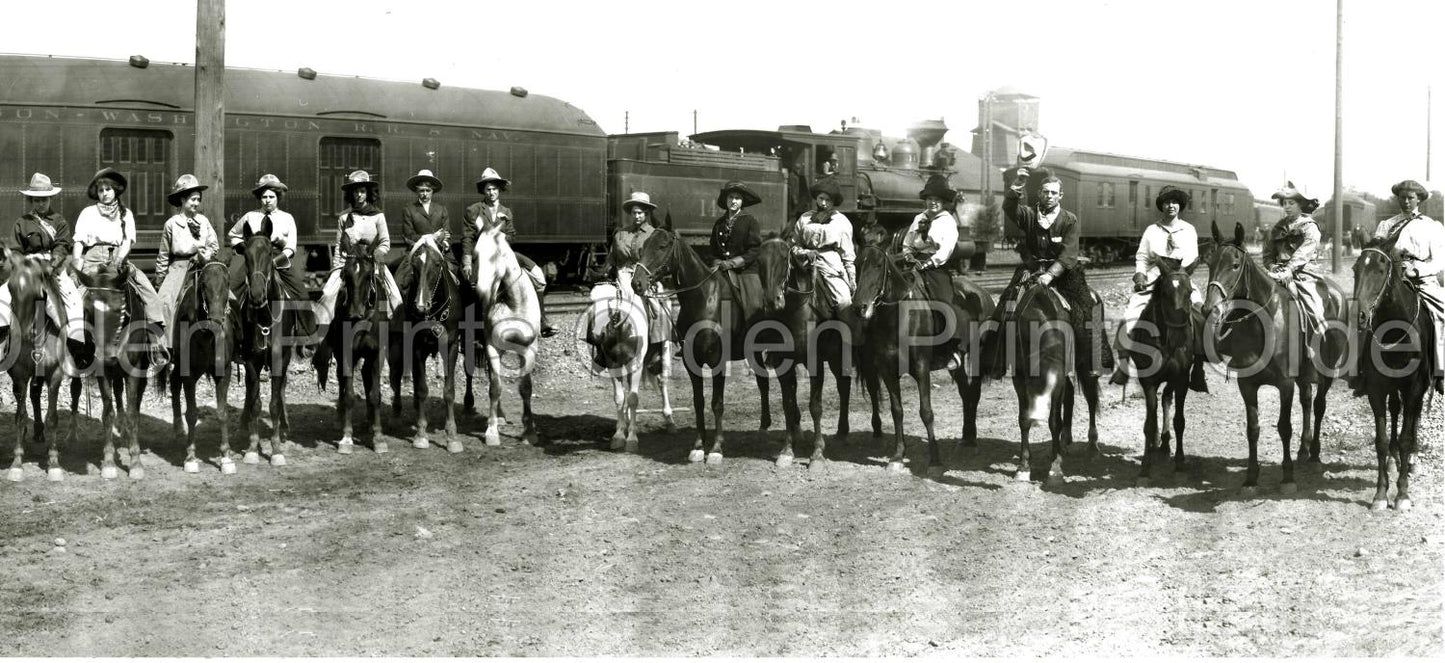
{"x":1095,"y":328}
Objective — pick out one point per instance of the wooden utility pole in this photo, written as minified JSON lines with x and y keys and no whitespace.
{"x":1335,"y":252}
{"x":210,"y":150}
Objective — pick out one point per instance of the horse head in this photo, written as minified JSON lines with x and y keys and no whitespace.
{"x":873,"y":267}
{"x":357,"y":298}
{"x":1172,"y":292}
{"x":29,"y":287}
{"x":260,"y":269}
{"x":1229,"y":269}
{"x":1375,"y":275}
{"x":658,"y":260}
{"x":496,"y":265}
{"x":773,"y":270}
{"x":428,"y":268}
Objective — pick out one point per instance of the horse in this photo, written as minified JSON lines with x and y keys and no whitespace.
{"x":883,"y":286}
{"x":355,"y":337}
{"x":204,"y":335}
{"x":38,"y":358}
{"x":1247,"y":321}
{"x":512,"y":320}
{"x":264,"y":316}
{"x":1389,"y":309}
{"x":433,"y":309}
{"x":1161,"y":349}
{"x":623,"y":349}
{"x":794,"y":301}
{"x":121,"y":371}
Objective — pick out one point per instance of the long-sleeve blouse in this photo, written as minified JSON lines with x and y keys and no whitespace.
{"x":937,"y":243}
{"x":178,"y":240}
{"x":283,"y":229}
{"x":355,"y":229}
{"x":1177,"y":240}
{"x":1420,"y":240}
{"x":832,"y":240}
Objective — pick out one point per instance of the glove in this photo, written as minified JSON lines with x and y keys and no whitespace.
{"x":467,"y":268}
{"x":1281,"y":276}
{"x":1140,"y":282}
{"x":1046,"y":278}
{"x":379,"y":254}
{"x":277,"y":242}
{"x":1021,"y":177}
{"x":1412,"y":270}
{"x":722,"y":265}
{"x":281,"y":260}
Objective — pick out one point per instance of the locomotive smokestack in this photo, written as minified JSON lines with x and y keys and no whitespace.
{"x":927,"y":133}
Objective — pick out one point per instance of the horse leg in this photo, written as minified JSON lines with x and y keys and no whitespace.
{"x":1180,"y":393}
{"x":1408,"y":441}
{"x":870,"y":384}
{"x":792,"y":417}
{"x":619,"y":401}
{"x":371,"y":382}
{"x":815,"y":410}
{"x":845,"y":397}
{"x":895,"y":407}
{"x":419,"y":394}
{"x":1061,"y":425}
{"x":663,"y":381}
{"x":530,"y":434}
{"x":222,"y":382}
{"x":1286,"y":430}
{"x":923,"y":379}
{"x":76,"y":386}
{"x":1321,"y":390}
{"x":1379,"y":406}
{"x":493,"y":435}
{"x":1151,"y":431}
{"x":251,"y":415}
{"x":631,"y":442}
{"x":697,"y":454}
{"x":970,"y":389}
{"x":280,"y":424}
{"x":53,"y":470}
{"x":395,"y":355}
{"x":1090,"y":386}
{"x":17,"y":458}
{"x":719,"y":387}
{"x":1027,"y":405}
{"x":134,"y":389}
{"x":193,"y":464}
{"x":177,"y":422}
{"x":1307,"y":419}
{"x":107,"y":420}
{"x":1395,"y":424}
{"x":1249,"y":392}
{"x":766,"y":420}
{"x":449,"y":395}
{"x":469,"y":400}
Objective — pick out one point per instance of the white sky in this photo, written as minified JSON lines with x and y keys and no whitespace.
{"x":1241,"y":84}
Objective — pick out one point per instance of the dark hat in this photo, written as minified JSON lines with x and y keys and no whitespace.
{"x":358,"y":178}
{"x":424,"y":176}
{"x":117,"y":182}
{"x":1291,"y":192}
{"x":490,"y":175}
{"x":185,"y":184}
{"x":749,"y":198}
{"x":937,"y":186}
{"x":1408,"y":186}
{"x":1175,"y":194}
{"x":268,"y":181}
{"x":639,"y":199}
{"x":829,"y":186}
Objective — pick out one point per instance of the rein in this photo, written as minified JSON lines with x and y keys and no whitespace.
{"x":674,"y":256}
{"x":1392,"y":277}
{"x":1226,"y":327}
{"x":892,"y":274}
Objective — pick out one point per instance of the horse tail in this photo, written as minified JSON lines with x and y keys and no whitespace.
{"x":162,"y":380}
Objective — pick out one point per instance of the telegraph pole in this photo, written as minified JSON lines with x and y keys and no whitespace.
{"x":210,"y":103}
{"x":1339,"y":133}
{"x":1427,"y":133}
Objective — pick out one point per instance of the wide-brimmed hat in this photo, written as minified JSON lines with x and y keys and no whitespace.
{"x":1408,"y":186}
{"x":185,"y":184}
{"x":490,"y":175}
{"x":638,"y":199}
{"x":40,"y":187}
{"x":829,"y":186}
{"x":424,"y":176}
{"x":749,"y":198}
{"x":1291,"y":192}
{"x":117,"y":182}
{"x":1175,"y":194}
{"x":358,"y":178}
{"x":267,"y":181}
{"x":937,"y":186}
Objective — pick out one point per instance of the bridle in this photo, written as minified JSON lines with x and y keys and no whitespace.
{"x":891,"y":272}
{"x":1226,"y":327}
{"x":440,"y":309}
{"x":1391,"y":276}
{"x":674,"y":256}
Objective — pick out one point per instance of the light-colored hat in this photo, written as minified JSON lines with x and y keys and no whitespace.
{"x":639,"y":199}
{"x":40,"y":187}
{"x":359,"y":178}
{"x":267,"y":181}
{"x":109,"y":174}
{"x":185,"y":184}
{"x":424,"y":176}
{"x":490,"y":175}
{"x":1291,"y":192}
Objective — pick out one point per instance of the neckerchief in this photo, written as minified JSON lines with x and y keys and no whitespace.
{"x":822,"y":216}
{"x":366,"y":210}
{"x":194,"y":225}
{"x":926,"y":223}
{"x":111,"y":211}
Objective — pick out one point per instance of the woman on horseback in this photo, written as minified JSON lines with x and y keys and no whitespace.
{"x":424,"y":221}
{"x":823,"y":239}
{"x":1417,"y":242}
{"x":45,"y":234}
{"x":187,"y":239}
{"x":626,"y":250}
{"x":104,"y":234}
{"x":928,"y":246}
{"x":1170,"y":237}
{"x":360,"y":231}
{"x":490,"y":213}
{"x":268,"y":191}
{"x":734,"y":243}
{"x":1288,"y":251}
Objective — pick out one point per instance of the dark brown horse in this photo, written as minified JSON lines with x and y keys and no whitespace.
{"x":432,"y":309}
{"x":1249,"y":323}
{"x":901,"y":331}
{"x":120,"y":362}
{"x":1161,"y":347}
{"x":37,"y":358}
{"x":204,"y":338}
{"x":355,"y":337}
{"x":1395,"y":330}
{"x":266,"y":314}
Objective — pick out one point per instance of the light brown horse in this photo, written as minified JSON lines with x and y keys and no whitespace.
{"x":512,"y":320}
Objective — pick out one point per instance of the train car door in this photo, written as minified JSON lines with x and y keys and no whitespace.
{"x":338,"y":157}
{"x":1134,"y":203}
{"x":143,"y":156}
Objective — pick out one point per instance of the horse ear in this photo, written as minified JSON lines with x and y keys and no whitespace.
{"x":266,"y":227}
{"x":667,"y":220}
{"x":1214,"y":230}
{"x":1239,"y":234}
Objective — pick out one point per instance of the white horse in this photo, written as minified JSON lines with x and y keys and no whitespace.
{"x":618,"y":331}
{"x":512,"y":319}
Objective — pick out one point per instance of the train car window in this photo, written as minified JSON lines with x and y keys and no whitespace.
{"x":1106,"y":194}
{"x":143,"y":156}
{"x":338,"y":157}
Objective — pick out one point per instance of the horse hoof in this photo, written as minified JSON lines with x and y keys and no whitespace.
{"x":695,"y":456}
{"x":278,"y":460}
{"x":1141,"y":482}
{"x":1249,"y":491}
{"x":228,"y":466}
{"x":714,"y":458}
{"x":1055,"y":480}
{"x":342,"y":447}
{"x":492,"y":439}
{"x":421,"y":442}
{"x":897,"y":467}
{"x":193,"y":467}
{"x":935,"y":472}
{"x":1403,"y":504}
{"x":15,"y":474}
{"x":1379,"y":505}
{"x":137,"y":473}
{"x":618,"y":441}
{"x":1023,"y":476}
{"x":532,"y":439}
{"x":380,"y":447}
{"x":784,"y":460}
{"x":669,"y":427}
{"x":252,"y":458}
{"x":631,"y":446}
{"x":109,"y":472}
{"x":1288,"y":488}
{"x":57,"y":474}
{"x":818,"y":465}
{"x":455,"y":447}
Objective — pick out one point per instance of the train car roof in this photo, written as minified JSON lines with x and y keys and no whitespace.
{"x":115,"y":83}
{"x":1104,"y":164}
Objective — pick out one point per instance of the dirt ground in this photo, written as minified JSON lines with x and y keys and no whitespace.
{"x":571,"y":549}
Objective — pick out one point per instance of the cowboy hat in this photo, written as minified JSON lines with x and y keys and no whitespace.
{"x":185,"y":184}
{"x":424,"y":176}
{"x":1402,"y":188}
{"x":1291,"y":192}
{"x":1175,"y":194}
{"x":749,"y":198}
{"x":937,"y":187}
{"x":829,"y":186}
{"x":268,"y":181}
{"x":117,"y":182}
{"x":40,"y":187}
{"x":639,"y":199}
{"x":358,"y":178}
{"x":490,"y":175}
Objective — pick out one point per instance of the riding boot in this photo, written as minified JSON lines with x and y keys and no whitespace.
{"x":320,"y":353}
{"x":1120,"y":376}
{"x":160,"y":355}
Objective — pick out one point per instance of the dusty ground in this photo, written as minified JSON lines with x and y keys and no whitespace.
{"x":575,"y":550}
